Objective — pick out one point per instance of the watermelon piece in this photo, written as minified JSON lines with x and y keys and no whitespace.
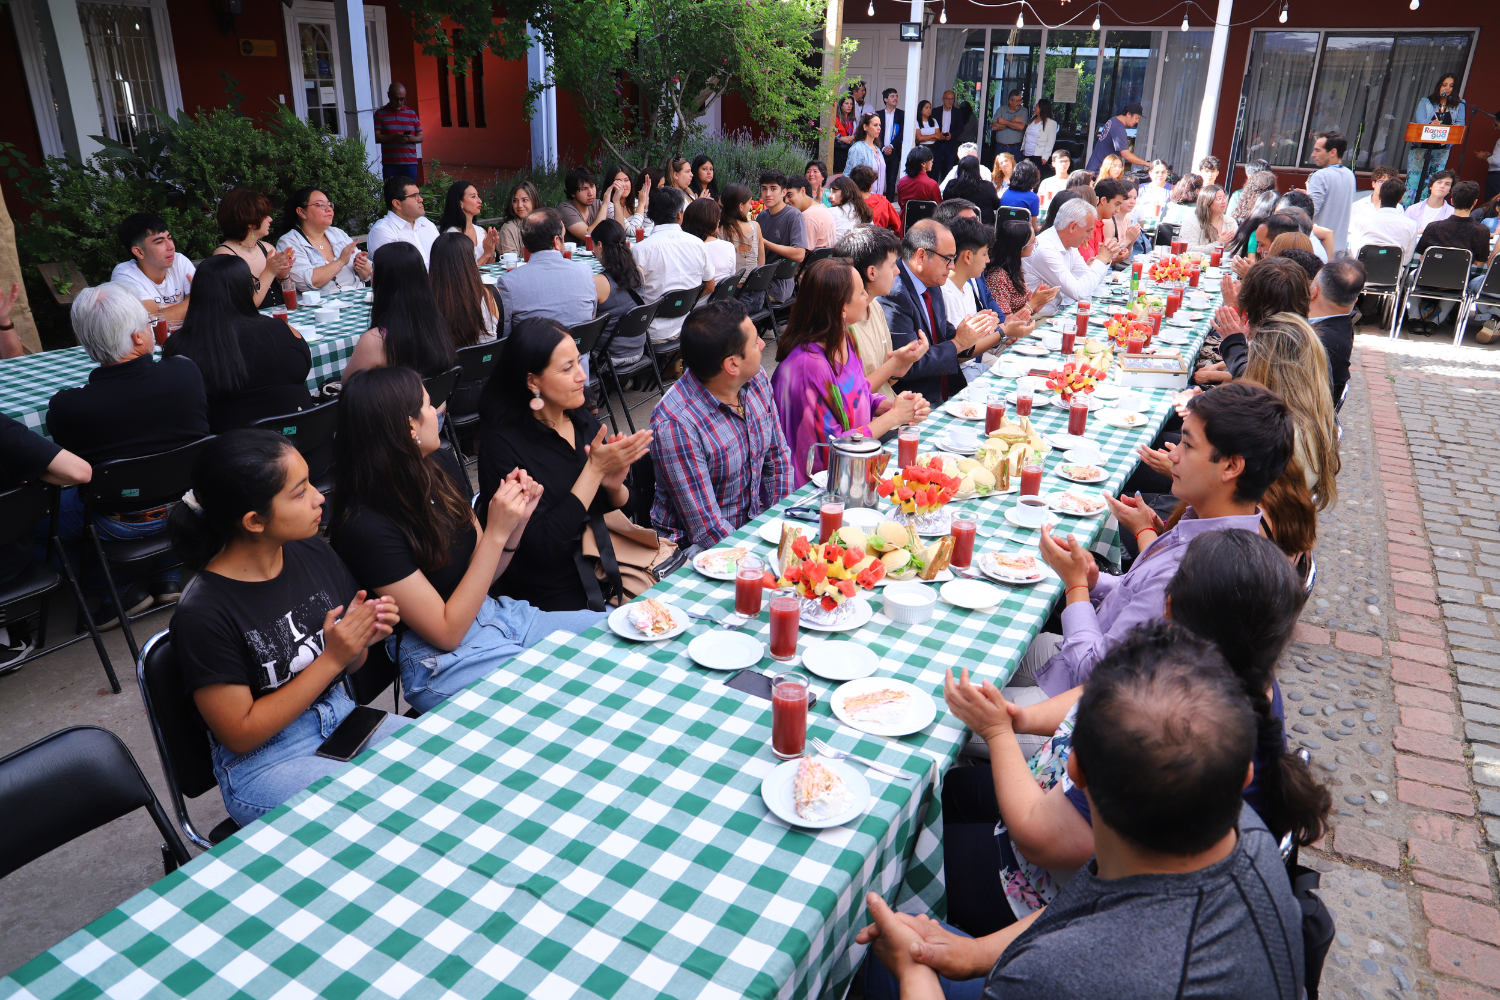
{"x":801,"y":546}
{"x":846,"y":587}
{"x":853,"y":556}
{"x":885,"y":487}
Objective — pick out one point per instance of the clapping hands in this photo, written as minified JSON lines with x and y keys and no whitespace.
{"x":613,"y":456}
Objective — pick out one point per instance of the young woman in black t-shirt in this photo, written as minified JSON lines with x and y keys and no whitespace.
{"x":403,"y":524}
{"x":270,"y":624}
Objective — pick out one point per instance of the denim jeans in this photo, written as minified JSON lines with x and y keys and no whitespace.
{"x":881,"y":985}
{"x":389,"y":170}
{"x":503,"y":628}
{"x":256,"y":782}
{"x":70,"y":529}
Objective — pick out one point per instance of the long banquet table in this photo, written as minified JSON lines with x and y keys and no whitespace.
{"x":585,"y":822}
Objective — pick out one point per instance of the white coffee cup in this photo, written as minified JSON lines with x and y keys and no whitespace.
{"x":570,"y":247}
{"x":489,"y":279}
{"x":326,"y":315}
{"x":1031,"y":511}
{"x":1009,"y":369}
{"x":311,"y":297}
{"x":511,"y":257}
{"x":1052,"y":340}
{"x":963,"y":437}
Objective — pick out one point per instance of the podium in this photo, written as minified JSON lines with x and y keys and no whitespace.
{"x":1448,"y":135}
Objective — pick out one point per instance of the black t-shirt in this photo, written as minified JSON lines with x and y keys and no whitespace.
{"x":141,"y":407}
{"x":276,"y":365}
{"x":378,"y":553}
{"x":260,"y":634}
{"x":24,"y":454}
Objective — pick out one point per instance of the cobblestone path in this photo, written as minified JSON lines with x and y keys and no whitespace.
{"x":1393,"y":685}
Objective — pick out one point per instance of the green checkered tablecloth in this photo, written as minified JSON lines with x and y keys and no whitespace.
{"x":27,"y":383}
{"x":585,"y":822}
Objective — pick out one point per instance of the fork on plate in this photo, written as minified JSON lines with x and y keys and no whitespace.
{"x":836,"y":754}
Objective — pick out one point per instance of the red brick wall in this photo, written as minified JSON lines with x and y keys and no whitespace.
{"x":20,"y":131}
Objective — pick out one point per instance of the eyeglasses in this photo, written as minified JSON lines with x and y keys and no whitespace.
{"x":951,"y":258}
{"x":417,"y":195}
{"x":321,"y":204}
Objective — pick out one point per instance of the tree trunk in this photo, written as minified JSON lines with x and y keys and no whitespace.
{"x":10,"y":271}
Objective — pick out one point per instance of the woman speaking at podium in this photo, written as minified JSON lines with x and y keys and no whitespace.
{"x":1441,"y":107}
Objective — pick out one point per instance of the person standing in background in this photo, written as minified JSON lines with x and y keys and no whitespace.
{"x":892,"y":124}
{"x":1492,"y":183}
{"x":1424,"y":160}
{"x":1009,"y":125}
{"x":950,"y":122}
{"x":1041,"y":135}
{"x":1117,"y":140}
{"x":398,"y":130}
{"x":1331,"y":187}
{"x":859,"y":92}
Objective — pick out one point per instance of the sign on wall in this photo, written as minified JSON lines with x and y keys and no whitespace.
{"x":1065,"y":87}
{"x":257,"y":47}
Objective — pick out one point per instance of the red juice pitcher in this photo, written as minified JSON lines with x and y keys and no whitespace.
{"x":788,"y":714}
{"x":1078,"y":418}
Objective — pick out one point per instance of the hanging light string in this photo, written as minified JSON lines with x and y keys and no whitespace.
{"x":1024,"y":5}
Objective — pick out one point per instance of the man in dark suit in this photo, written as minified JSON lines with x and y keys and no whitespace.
{"x":892,"y":130}
{"x":915,"y":304}
{"x":1330,"y":310}
{"x":951,"y":121}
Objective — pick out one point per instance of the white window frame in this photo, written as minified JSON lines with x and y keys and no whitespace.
{"x":43,"y":103}
{"x":322,"y":11}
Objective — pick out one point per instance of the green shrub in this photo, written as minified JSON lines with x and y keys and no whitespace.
{"x":179,"y":171}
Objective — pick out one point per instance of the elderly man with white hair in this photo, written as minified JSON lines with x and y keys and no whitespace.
{"x":1055,"y":260}
{"x":132,"y":405}
{"x":966,"y":149}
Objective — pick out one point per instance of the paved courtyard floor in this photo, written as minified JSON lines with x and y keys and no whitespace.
{"x":1393,"y":687}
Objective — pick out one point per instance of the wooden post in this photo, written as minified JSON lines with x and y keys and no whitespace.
{"x":10,"y":271}
{"x":833,"y":34}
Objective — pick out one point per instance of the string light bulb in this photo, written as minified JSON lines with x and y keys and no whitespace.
{"x":1095,"y":25}
{"x":1282,"y":18}
{"x":1184,"y":21}
{"x":1021,"y":17}
{"x":943,"y":17}
{"x":870,"y":12}
{"x":1415,"y":4}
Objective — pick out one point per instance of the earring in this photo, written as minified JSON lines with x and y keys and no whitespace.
{"x":416,"y":437}
{"x":536,"y":399}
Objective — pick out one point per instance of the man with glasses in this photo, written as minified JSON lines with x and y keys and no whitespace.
{"x":1055,"y":261}
{"x":915,"y":306}
{"x":405,"y":222}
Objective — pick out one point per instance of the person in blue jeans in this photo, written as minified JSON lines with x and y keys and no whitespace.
{"x":271,"y":623}
{"x":401,"y":520}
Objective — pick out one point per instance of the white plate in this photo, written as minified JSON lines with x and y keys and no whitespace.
{"x":1066,"y":441}
{"x":1178,"y":319}
{"x":777,"y":792}
{"x":721,"y":650}
{"x":1010,"y":512}
{"x":866,"y":519}
{"x":964,"y":409}
{"x":620,"y":624}
{"x":770,"y":531}
{"x":920,"y":710}
{"x":702,"y":560}
{"x":1087,"y":455}
{"x":971,"y":594}
{"x":1101,"y":477}
{"x":1132,"y":401}
{"x":987,"y":566}
{"x":948,"y":445}
{"x":839,"y":661}
{"x":859,"y":618}
{"x":943,"y":576}
{"x":1030,"y":350}
{"x":1054,"y":499}
{"x":1007,"y":369}
{"x":1126,"y":419}
{"x":1106,"y":391}
{"x":1093,"y":404}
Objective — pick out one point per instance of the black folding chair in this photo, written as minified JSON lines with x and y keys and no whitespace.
{"x":586,"y":338}
{"x":785,"y":269}
{"x":311,"y":432}
{"x":21,"y":510}
{"x":1442,"y":276}
{"x":66,"y":784}
{"x":181,"y":737}
{"x":1488,"y":295}
{"x":477,"y":362}
{"x":1382,"y":266}
{"x":635,"y":323}
{"x":1165,"y":234}
{"x":673,"y":304}
{"x":759,"y":280}
{"x":127,"y":485}
{"x":915,"y":211}
{"x":1008,"y":213}
{"x":725,"y":288}
{"x":440,"y":387}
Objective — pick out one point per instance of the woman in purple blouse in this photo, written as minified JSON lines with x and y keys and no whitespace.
{"x":816,"y":355}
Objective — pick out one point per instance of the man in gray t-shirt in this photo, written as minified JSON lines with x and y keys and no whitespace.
{"x":1331,"y":187}
{"x":1162,"y":747}
{"x":1009,"y":126}
{"x":782,"y":230}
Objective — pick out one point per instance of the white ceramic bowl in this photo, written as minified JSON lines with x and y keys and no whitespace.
{"x":908,"y":602}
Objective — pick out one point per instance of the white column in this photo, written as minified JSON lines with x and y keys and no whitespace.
{"x":544,"y":117}
{"x":909,"y":92}
{"x":72,"y":76}
{"x":1208,"y":113}
{"x":354,"y":68}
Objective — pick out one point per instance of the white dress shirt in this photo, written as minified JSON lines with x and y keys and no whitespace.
{"x":394,"y":229}
{"x":1360,"y":213}
{"x":1388,"y":227}
{"x":670,"y":260}
{"x":1051,"y":264}
{"x":887,"y":122}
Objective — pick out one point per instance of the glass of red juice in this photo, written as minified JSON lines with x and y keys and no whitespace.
{"x":1193,"y":275}
{"x":279,"y":312}
{"x":1078,"y":418}
{"x":1155,"y":313}
{"x":830,"y":519}
{"x":1069,"y":339}
{"x":1023,"y":404}
{"x":640,"y":234}
{"x":1082,"y":329}
{"x":963,"y":542}
{"x":748,"y":589}
{"x":1179,"y":247}
{"x":159,"y":329}
{"x":906,"y":446}
{"x":1135,"y":344}
{"x":1216,"y":256}
{"x":1031,"y":480}
{"x":788,"y":712}
{"x":1137,"y":266}
{"x":994,"y":413}
{"x":289,"y":293}
{"x":588,"y":242}
{"x":786,"y":615}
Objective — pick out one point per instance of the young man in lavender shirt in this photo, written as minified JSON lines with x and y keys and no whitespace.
{"x":1236,"y":441}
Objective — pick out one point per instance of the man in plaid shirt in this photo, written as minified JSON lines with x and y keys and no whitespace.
{"x":717,"y":446}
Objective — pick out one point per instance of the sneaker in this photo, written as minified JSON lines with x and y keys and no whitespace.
{"x":106,"y":616}
{"x":13,"y":654}
{"x":165,"y":593}
{"x":1489,"y":332}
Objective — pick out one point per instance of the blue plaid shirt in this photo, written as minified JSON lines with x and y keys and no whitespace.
{"x":715,"y":470}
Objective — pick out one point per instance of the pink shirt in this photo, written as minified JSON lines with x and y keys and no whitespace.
{"x":820,"y":226}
